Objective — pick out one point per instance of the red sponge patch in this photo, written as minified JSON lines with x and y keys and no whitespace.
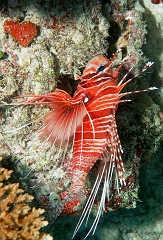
{"x":23,"y":33}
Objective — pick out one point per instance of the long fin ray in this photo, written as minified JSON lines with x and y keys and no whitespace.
{"x":105,"y":171}
{"x":111,"y":162}
{"x":88,"y":207}
{"x":60,"y":124}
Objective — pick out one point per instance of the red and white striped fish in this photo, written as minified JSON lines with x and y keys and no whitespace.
{"x":88,"y":119}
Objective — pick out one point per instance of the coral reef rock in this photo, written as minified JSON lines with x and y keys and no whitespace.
{"x":18,"y":220}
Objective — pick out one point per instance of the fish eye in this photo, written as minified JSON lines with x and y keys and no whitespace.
{"x":86,"y":99}
{"x":101,"y":68}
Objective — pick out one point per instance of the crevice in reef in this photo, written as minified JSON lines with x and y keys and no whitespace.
{"x":67,"y":83}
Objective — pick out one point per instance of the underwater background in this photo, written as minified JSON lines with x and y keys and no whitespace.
{"x":62,"y":36}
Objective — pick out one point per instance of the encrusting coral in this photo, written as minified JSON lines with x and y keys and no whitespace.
{"x":23,"y":33}
{"x":18,"y":220}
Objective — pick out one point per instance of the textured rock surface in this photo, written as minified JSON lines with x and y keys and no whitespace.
{"x":70,"y":34}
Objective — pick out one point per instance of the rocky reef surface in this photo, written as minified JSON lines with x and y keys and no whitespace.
{"x":69,"y":34}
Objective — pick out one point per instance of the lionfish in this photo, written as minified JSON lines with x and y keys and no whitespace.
{"x":88,"y":120}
